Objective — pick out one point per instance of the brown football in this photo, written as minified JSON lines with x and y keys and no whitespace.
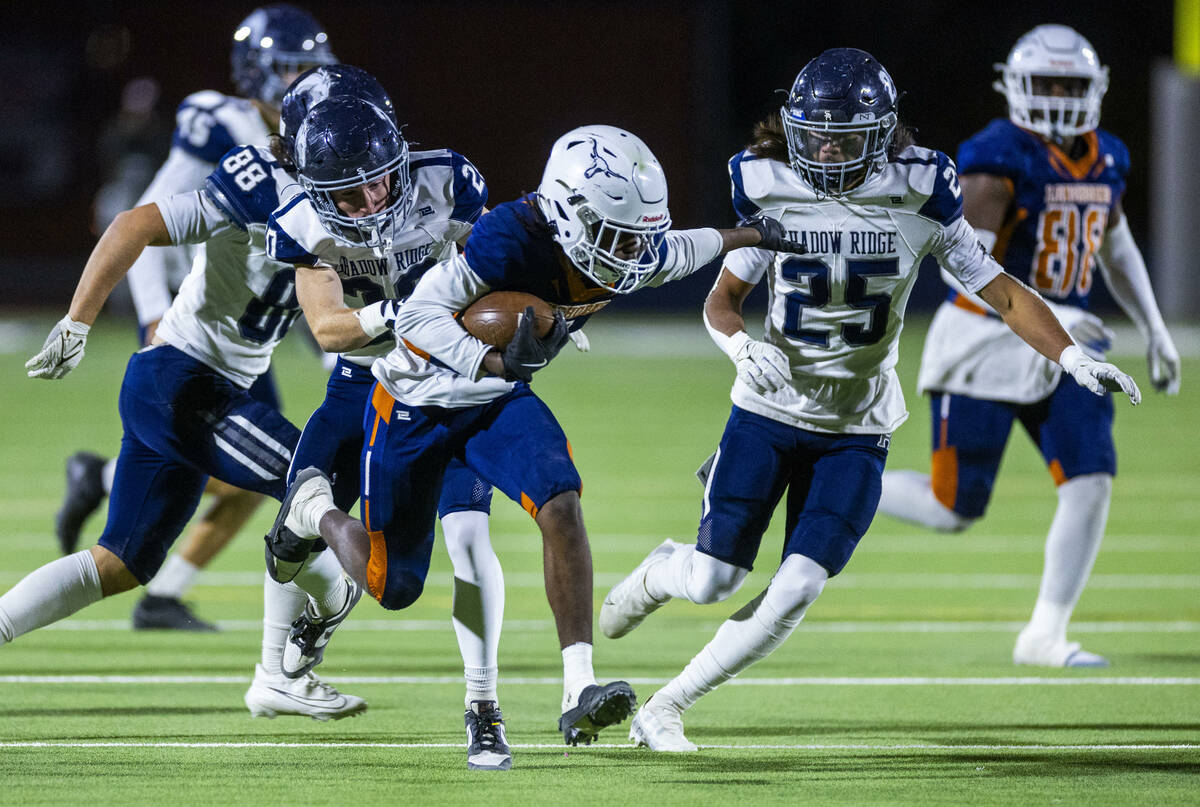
{"x":493,"y":317}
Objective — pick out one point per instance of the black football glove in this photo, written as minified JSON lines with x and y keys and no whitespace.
{"x":526,"y":354}
{"x":774,"y":237}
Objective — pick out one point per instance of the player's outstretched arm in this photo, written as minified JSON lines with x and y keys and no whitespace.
{"x":1032,"y":320}
{"x":1125,"y":271}
{"x":122,"y":242}
{"x":759,"y":231}
{"x":761,"y":366}
{"x":337,"y":327}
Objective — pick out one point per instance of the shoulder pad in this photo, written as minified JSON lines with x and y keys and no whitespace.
{"x":933,"y":175}
{"x":244,"y":185}
{"x":997,"y":149}
{"x":281,"y":245}
{"x":497,"y":243}
{"x":743,"y":206}
{"x":1113,"y":147}
{"x":465,"y":191}
{"x":198,"y":131}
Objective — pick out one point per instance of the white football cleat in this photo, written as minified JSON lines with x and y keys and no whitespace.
{"x":1040,"y":651}
{"x":628,"y":602}
{"x":659,"y":727}
{"x":310,"y":633}
{"x":273,"y":695}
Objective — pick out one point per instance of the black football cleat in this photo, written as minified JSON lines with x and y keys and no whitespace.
{"x":167,"y":613}
{"x":85,"y":492}
{"x":287,"y":552}
{"x":599,"y":706}
{"x":487,"y":744}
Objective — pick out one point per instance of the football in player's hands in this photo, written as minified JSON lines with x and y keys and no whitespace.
{"x":493,"y":317}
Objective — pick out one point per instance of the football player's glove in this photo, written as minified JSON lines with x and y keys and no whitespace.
{"x":774,"y":237}
{"x":762,"y":367}
{"x":526,"y":354}
{"x":1164,"y":363}
{"x":61,"y":352}
{"x":378,"y":318}
{"x":1098,"y":376}
{"x":582,"y":343}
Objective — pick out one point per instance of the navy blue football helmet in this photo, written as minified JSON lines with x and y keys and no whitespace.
{"x":324,"y":82}
{"x":840,"y":117}
{"x":344,"y":143}
{"x":275,"y":42}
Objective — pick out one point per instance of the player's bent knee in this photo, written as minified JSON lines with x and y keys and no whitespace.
{"x":954,"y":523}
{"x":711,"y":580}
{"x":796,"y":585}
{"x":115,"y":576}
{"x":402,"y":594}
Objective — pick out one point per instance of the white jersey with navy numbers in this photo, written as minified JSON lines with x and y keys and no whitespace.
{"x":207,"y":125}
{"x":837,"y":311}
{"x":236,"y":304}
{"x":449,"y":196}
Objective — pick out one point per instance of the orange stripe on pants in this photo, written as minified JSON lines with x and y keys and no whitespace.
{"x":377,"y":565}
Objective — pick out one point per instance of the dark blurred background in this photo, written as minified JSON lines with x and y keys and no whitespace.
{"x":499,"y":81}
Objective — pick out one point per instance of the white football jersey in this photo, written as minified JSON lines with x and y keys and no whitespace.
{"x":449,"y":196}
{"x":236,"y":304}
{"x":837,"y":311}
{"x":207,"y":125}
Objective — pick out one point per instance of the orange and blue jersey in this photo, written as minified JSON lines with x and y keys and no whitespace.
{"x":1061,"y":206}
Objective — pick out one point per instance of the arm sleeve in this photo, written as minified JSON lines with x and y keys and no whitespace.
{"x":958,"y":250}
{"x":1125,"y":272}
{"x":426,"y":318}
{"x":192,"y":218}
{"x":749,"y":263}
{"x":685,"y":251}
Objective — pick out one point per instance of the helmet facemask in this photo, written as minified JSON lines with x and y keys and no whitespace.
{"x":599,"y":252}
{"x":1033,"y":106}
{"x":862,"y":146}
{"x":376,"y":229}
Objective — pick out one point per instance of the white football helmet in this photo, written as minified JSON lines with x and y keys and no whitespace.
{"x":1048,"y":52}
{"x":602,"y":189}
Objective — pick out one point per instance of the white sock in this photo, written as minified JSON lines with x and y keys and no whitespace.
{"x":577,"y":671}
{"x":478,"y":600}
{"x":309,"y":507}
{"x":174,"y":578}
{"x":693,"y":576}
{"x":1071,"y":547}
{"x":282,"y":604}
{"x":323,"y":580}
{"x":909,"y":495}
{"x":750,"y":634}
{"x":48,"y":594}
{"x":107,"y":474}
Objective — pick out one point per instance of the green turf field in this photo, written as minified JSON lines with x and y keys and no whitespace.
{"x":897,"y":687}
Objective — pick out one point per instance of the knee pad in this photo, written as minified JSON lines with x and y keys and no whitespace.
{"x":796,"y":584}
{"x":710,"y":580}
{"x":401,"y":593}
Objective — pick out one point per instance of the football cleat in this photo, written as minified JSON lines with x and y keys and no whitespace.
{"x":167,"y":613}
{"x":273,"y":695}
{"x":487,"y":744}
{"x":1039,"y":651}
{"x":659,"y":727}
{"x":596,"y":707}
{"x":628,"y":603}
{"x":311,"y":633}
{"x":289,"y":542}
{"x":85,"y":492}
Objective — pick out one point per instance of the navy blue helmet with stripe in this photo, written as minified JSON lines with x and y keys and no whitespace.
{"x":271,"y":46}
{"x":345,"y":143}
{"x":839,"y":118}
{"x":327,"y":81}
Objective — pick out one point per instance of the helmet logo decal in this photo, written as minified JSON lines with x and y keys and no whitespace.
{"x":600,"y":165}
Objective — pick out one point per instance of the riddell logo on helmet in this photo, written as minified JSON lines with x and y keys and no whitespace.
{"x":659,"y":217}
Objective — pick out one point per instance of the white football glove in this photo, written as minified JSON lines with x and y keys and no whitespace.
{"x":1164,"y":363}
{"x":762,"y":367}
{"x":61,"y":352}
{"x":1098,"y":376}
{"x":581,"y":341}
{"x":1092,"y":335}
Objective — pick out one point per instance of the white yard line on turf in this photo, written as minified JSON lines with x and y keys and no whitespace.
{"x":537,"y":625}
{"x":527,"y":681}
{"x":565,"y":750}
{"x":862,"y":580}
